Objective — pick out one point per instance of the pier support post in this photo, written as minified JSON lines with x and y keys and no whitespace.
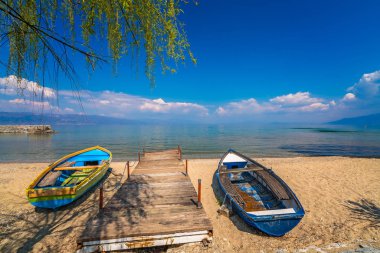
{"x":186,"y":168}
{"x":101,"y":197}
{"x":129,"y":173}
{"x":139,"y":156}
{"x":199,"y":204}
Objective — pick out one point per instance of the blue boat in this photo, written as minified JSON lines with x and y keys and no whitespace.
{"x":260,"y":197}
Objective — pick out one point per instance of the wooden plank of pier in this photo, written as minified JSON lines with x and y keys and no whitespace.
{"x":155,"y":206}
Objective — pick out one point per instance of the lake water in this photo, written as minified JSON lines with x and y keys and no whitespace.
{"x":196,"y":140}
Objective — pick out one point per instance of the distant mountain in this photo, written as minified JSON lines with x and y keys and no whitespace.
{"x":19,"y":118}
{"x":370,"y":121}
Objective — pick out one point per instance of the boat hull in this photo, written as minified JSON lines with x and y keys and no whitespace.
{"x":53,"y":203}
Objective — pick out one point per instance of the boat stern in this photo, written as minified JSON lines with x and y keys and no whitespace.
{"x":277,"y":227}
{"x":51,"y":197}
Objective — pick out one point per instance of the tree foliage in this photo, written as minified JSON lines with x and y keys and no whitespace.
{"x":44,"y":32}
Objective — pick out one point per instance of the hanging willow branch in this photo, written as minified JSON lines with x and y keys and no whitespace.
{"x":39,"y":31}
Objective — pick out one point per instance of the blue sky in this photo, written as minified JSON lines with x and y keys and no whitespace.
{"x":257,"y":60}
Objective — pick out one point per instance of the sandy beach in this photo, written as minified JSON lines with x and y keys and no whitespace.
{"x":341,"y":197}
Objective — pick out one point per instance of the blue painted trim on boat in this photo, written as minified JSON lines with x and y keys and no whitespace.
{"x":53,"y":204}
{"x":231,"y":165}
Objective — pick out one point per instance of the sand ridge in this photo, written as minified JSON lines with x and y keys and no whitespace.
{"x":341,"y":197}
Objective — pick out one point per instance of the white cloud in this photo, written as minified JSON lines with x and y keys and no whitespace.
{"x":221,"y":110}
{"x":314,"y":107}
{"x":29,"y":102}
{"x":17,"y":101}
{"x":299,"y":98}
{"x":19,"y":104}
{"x":290,"y":103}
{"x":70,"y":110}
{"x":349,"y":97}
{"x":368,"y":85}
{"x":247,"y":106}
{"x":11,"y":85}
{"x":104,"y":102}
{"x":119,"y":104}
{"x":363,"y":97}
{"x":159,"y":105}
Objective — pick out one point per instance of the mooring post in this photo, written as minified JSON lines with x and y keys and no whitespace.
{"x":199,"y":204}
{"x":101,"y":197}
{"x":139,"y":156}
{"x":129,"y":173}
{"x":179,"y":152}
{"x":186,"y":168}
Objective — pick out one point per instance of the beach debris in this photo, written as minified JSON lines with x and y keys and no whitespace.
{"x":224,"y":210}
{"x":206,"y":243}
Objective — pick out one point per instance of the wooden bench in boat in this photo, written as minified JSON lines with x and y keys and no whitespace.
{"x":241,"y":170}
{"x":81,"y":173}
{"x":78,"y":168}
{"x":69,"y":166}
{"x":274,"y":212}
{"x":277,"y":189}
{"x":73,"y":180}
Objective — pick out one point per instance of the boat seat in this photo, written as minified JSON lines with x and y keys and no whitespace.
{"x":240,"y":170}
{"x":277,"y":189}
{"x":72,"y":180}
{"x":274,"y":212}
{"x":81,"y":173}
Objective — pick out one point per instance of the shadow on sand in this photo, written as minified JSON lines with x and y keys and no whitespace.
{"x":27,"y":228}
{"x":236,"y":220}
{"x":365,"y":210}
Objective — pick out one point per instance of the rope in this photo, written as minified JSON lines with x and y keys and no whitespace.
{"x":118,"y":184}
{"x":225,"y":197}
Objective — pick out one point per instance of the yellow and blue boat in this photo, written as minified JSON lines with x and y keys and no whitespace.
{"x":69,"y":178}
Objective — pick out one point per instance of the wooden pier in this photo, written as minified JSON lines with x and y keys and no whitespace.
{"x":156,"y":206}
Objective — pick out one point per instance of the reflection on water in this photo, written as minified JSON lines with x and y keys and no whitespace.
{"x":197,"y":141}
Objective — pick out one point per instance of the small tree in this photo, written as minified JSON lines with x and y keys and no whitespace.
{"x":43,"y":32}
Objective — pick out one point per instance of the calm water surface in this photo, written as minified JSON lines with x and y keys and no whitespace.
{"x":196,"y":140}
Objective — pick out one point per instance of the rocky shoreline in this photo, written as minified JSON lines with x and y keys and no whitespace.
{"x":26,"y":129}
